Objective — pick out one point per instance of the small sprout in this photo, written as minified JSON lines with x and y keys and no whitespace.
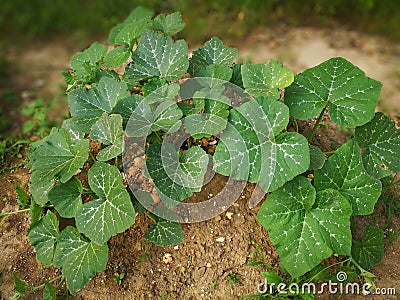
{"x":119,"y":277}
{"x":233,"y":278}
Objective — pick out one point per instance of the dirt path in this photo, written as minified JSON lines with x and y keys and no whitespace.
{"x":199,"y":266}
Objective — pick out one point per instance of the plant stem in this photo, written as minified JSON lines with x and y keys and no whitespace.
{"x":14,"y":212}
{"x":316,"y":125}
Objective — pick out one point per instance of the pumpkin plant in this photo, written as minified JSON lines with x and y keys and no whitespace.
{"x":140,"y":110}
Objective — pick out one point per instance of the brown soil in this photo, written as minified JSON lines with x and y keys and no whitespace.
{"x":197,"y":268}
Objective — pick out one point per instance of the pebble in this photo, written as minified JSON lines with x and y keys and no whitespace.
{"x":220,"y":239}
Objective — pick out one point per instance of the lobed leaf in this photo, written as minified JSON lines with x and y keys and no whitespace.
{"x":157,"y":55}
{"x":169,"y":24}
{"x":266,"y":79}
{"x":306,"y":226}
{"x":344,"y":172}
{"x":43,"y":237}
{"x":78,"y":258}
{"x":338,"y":84}
{"x":112,"y":212}
{"x":88,"y":105}
{"x":55,"y":157}
{"x":214,"y":52}
{"x":380,"y":140}
{"x":116,"y":57}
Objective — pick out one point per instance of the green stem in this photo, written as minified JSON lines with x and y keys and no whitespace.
{"x":14,"y":212}
{"x":150,"y":216}
{"x":316,"y":125}
{"x":326,"y":268}
{"x":329,"y":152}
{"x":35,"y":288}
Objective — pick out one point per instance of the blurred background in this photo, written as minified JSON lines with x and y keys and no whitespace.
{"x":38,"y":37}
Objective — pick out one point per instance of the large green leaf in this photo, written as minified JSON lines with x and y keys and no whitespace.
{"x":43,"y":237}
{"x":158,"y":55}
{"x":344,"y":172}
{"x":88,"y":105}
{"x":380,"y":140}
{"x":87,"y":63}
{"x":169,"y":24}
{"x":78,"y":258}
{"x":265,"y":79}
{"x":369,"y":251}
{"x":165,"y":233}
{"x":176,"y":179}
{"x":116,"y":57}
{"x":338,"y":84}
{"x":126,"y":32}
{"x":108,"y":130}
{"x":214,"y":52}
{"x":113,"y":212}
{"x":306,"y":226}
{"x":56,"y":157}
{"x":126,"y":106}
{"x":278,"y":159}
{"x":66,"y":197}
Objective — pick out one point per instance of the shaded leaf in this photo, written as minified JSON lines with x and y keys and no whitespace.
{"x":116,"y":57}
{"x":317,"y":158}
{"x":66,"y":197}
{"x":165,"y":233}
{"x":49,"y":292}
{"x":380,"y":140}
{"x":369,"y":251}
{"x":22,"y":196}
{"x":169,"y":24}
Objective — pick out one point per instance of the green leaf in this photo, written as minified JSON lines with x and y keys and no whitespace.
{"x":343,"y":171}
{"x":75,"y":133}
{"x":380,"y":140}
{"x":214,"y":52}
{"x":66,"y":197}
{"x":87,"y":63}
{"x":176,"y":180}
{"x":317,"y":158}
{"x":88,"y":105}
{"x":35,"y":213}
{"x":113,"y":212}
{"x":43,"y":237}
{"x":278,"y":159}
{"x":237,"y":75}
{"x":306,"y":227}
{"x":78,"y":258}
{"x":165,"y":233}
{"x":55,"y":157}
{"x":49,"y":292}
{"x":369,"y":251}
{"x":154,"y":84}
{"x":266,"y":79}
{"x":169,"y":24}
{"x":108,"y":130}
{"x":158,"y":55}
{"x":127,"y":31}
{"x":192,"y":107}
{"x":216,"y":71}
{"x":116,"y":57}
{"x":338,"y":84}
{"x":168,"y":114}
{"x":22,"y":196}
{"x":20,"y":286}
{"x":163,"y":93}
{"x":126,"y":106}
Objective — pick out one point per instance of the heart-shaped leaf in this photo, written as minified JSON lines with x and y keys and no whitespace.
{"x":165,"y":233}
{"x":344,"y":172}
{"x":380,"y":140}
{"x":79,"y":259}
{"x":214,"y":52}
{"x":169,"y":24}
{"x":306,"y":227}
{"x":113,"y":212}
{"x":108,"y":130}
{"x":338,"y":84}
{"x":43,"y":237}
{"x":87,"y":105}
{"x":265,"y":79}
{"x":369,"y":251}
{"x":158,"y":55}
